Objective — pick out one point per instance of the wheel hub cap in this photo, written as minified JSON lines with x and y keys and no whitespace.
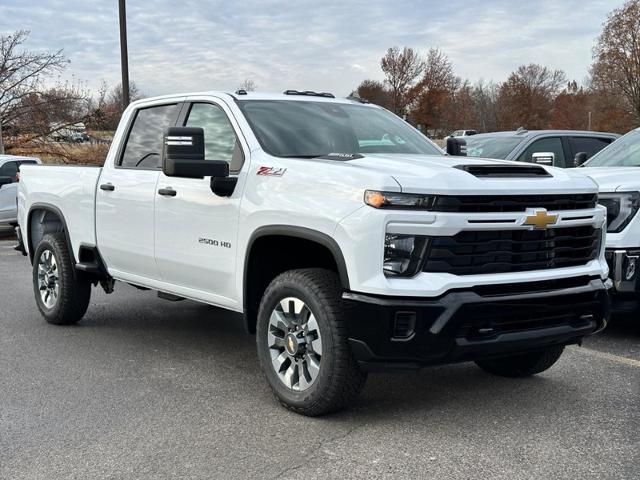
{"x":295,"y":343}
{"x":48,"y":280}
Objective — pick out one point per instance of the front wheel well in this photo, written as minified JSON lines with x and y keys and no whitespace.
{"x":270,"y":255}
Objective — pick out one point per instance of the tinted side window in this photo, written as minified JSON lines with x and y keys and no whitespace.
{"x":545,"y":145}
{"x":220,"y":141}
{"x":588,"y":145}
{"x":9,"y":169}
{"x":144,"y":144}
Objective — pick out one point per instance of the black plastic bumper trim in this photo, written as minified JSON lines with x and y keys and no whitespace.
{"x":452,"y":301}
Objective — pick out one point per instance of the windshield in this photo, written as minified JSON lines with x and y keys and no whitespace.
{"x":624,"y":152}
{"x":491,"y":147}
{"x":289,"y":128}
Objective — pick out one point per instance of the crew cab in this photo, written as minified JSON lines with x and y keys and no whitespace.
{"x":9,"y":178}
{"x":616,"y":169}
{"x":558,"y":148}
{"x":346,"y":238}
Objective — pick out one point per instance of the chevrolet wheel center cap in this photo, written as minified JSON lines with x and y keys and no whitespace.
{"x":291,"y":344}
{"x":539,"y":218}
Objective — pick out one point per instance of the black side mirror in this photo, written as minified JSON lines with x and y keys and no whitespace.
{"x":183,"y":155}
{"x":456,"y":147}
{"x":5,"y":181}
{"x":579,"y":159}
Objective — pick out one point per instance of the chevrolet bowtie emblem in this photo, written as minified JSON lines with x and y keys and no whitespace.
{"x":540,"y":219}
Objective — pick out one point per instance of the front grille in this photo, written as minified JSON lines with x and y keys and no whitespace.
{"x":481,"y":252}
{"x":514,"y":203}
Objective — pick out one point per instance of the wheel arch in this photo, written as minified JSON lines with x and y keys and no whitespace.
{"x":320,"y":250}
{"x":51,"y":221}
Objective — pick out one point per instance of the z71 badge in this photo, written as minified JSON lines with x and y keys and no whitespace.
{"x":271,"y":171}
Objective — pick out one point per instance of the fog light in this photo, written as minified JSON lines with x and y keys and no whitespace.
{"x":404,"y":325}
{"x":630,"y":271}
{"x":403,"y":254}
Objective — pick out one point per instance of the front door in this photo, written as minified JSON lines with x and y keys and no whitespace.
{"x":126,"y":195}
{"x":196,"y":230}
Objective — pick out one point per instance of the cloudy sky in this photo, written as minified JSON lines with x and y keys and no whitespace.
{"x":326,"y":45}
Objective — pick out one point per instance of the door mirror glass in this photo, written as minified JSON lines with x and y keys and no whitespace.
{"x":456,"y":147}
{"x":183,"y":155}
{"x":5,"y":181}
{"x":543,"y":158}
{"x":579,"y":159}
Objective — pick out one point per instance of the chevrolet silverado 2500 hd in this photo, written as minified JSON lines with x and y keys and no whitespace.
{"x":616,"y":169}
{"x":347,"y":239}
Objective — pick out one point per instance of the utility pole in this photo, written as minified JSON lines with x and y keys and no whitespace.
{"x":589,"y":121}
{"x":1,"y":141}
{"x":124,"y":55}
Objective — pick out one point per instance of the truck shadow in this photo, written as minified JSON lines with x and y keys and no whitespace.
{"x":211,"y":342}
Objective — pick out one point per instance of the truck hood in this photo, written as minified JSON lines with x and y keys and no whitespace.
{"x":611,"y":179}
{"x":436,"y":174}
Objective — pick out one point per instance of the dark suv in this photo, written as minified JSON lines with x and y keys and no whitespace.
{"x":559,"y":147}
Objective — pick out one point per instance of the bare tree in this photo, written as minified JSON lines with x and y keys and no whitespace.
{"x":247,"y":85}
{"x":485,"y":96}
{"x":432,"y":98}
{"x":21,"y":74}
{"x":526,"y":98}
{"x":616,"y":67}
{"x":401,"y":68}
{"x":375,"y":92}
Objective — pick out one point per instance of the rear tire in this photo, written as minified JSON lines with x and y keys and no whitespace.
{"x":61,"y":297}
{"x":523,"y":365}
{"x":303,"y":345}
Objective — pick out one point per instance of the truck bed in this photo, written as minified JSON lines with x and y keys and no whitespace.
{"x":68,"y":189}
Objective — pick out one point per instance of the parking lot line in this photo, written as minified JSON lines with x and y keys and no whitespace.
{"x":607,"y":356}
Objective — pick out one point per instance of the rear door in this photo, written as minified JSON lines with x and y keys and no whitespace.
{"x":127,"y":192}
{"x":588,"y":145}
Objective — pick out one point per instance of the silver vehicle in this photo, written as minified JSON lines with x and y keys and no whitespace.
{"x":558,"y":148}
{"x":9,"y":177}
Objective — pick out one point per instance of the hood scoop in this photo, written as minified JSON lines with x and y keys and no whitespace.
{"x":505,"y":171}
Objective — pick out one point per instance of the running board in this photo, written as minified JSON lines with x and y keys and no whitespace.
{"x":92,"y":268}
{"x":170,"y":297}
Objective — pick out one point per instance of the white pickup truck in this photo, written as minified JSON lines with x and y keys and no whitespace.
{"x":347,"y":239}
{"x":616,"y":169}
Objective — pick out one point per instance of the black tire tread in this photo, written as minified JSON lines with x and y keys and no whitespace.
{"x":523,"y":365}
{"x":347,"y":380}
{"x":74,"y":295}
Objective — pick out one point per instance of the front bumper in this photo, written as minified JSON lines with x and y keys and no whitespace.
{"x":463,"y":325}
{"x":624,"y":267}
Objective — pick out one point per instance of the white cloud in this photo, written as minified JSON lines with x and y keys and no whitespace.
{"x":330,"y":45}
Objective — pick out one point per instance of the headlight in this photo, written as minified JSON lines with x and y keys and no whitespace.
{"x":403,"y":254}
{"x":621,"y":208}
{"x":409,"y":201}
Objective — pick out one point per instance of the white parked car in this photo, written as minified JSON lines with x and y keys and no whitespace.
{"x":461,"y":133}
{"x":347,"y":239}
{"x":616,"y":169}
{"x":9,"y":177}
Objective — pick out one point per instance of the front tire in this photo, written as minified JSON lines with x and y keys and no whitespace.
{"x":302,"y":343}
{"x":523,"y":365}
{"x":61,"y":297}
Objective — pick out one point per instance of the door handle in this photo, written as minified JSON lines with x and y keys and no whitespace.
{"x":107,"y":187}
{"x":167,"y":192}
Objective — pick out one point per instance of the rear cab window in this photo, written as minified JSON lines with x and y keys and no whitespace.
{"x":143,"y":147}
{"x":588,"y":145}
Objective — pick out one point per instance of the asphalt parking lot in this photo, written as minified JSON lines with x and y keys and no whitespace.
{"x":145,"y":388}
